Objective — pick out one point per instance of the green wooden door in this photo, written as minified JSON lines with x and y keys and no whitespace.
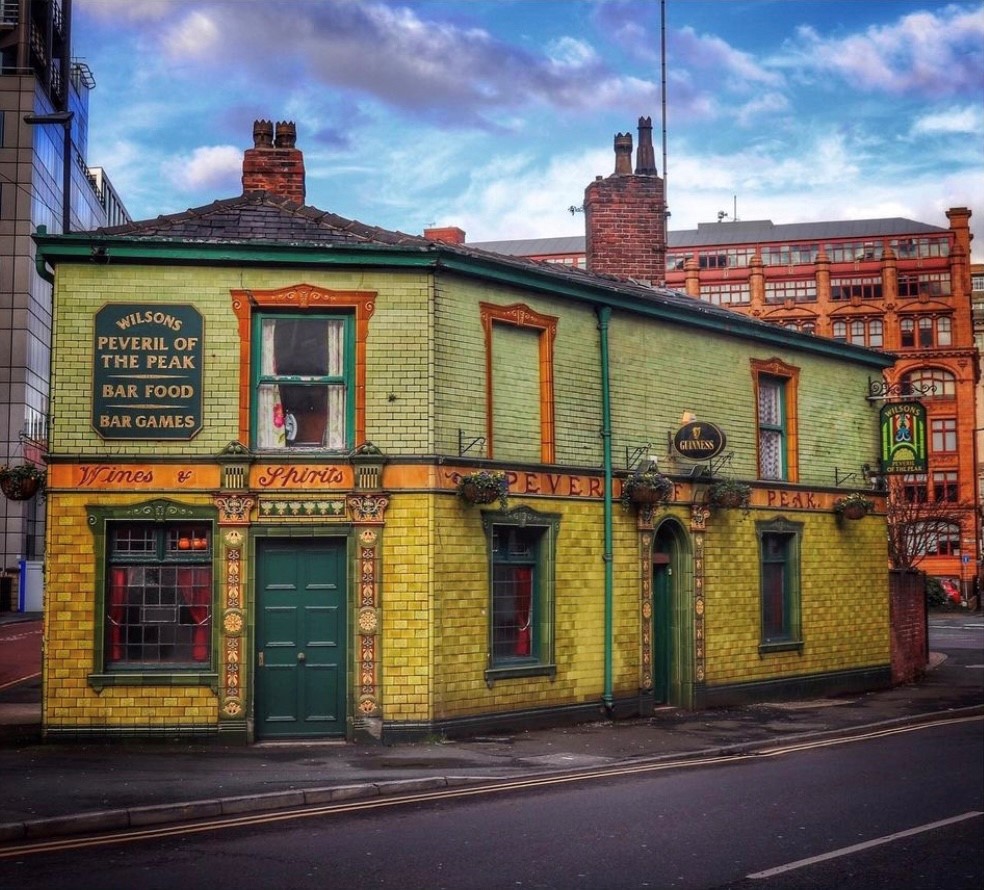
{"x":300,"y":638}
{"x":662,"y":629}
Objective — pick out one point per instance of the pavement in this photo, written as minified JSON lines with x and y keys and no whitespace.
{"x":50,"y":789}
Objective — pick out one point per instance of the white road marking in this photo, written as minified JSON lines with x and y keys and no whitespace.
{"x":855,"y":848}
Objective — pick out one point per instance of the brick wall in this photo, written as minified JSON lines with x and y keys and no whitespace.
{"x":623,"y":217}
{"x":910,"y":646}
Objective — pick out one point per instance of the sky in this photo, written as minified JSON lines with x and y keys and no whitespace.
{"x":494,"y":115}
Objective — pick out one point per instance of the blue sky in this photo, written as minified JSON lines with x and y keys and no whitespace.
{"x":494,"y":116}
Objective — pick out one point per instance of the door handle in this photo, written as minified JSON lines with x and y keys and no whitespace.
{"x":301,"y":656}
{"x":260,"y":659}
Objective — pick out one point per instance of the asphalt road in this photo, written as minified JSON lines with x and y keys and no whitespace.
{"x":20,"y":652}
{"x":901,"y":809}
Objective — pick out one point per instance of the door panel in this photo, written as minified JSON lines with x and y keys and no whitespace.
{"x":300,"y":638}
{"x":662,"y":635}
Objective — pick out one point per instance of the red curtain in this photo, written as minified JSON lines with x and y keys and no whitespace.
{"x":524,"y":602}
{"x":117,"y":611}
{"x":196,"y":590}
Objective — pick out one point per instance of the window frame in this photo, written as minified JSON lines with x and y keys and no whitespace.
{"x":302,"y":298}
{"x":522,"y":316}
{"x":324,"y":381}
{"x":160,"y":514}
{"x":790,"y":637}
{"x":776,"y":370}
{"x":541,"y":660}
{"x":943,"y":434}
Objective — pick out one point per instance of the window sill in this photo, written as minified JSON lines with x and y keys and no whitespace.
{"x":518,"y":671}
{"x":171,"y":677}
{"x":781,"y":646}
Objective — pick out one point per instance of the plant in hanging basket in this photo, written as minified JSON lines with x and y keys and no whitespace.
{"x":646,"y":489}
{"x":484,"y":487}
{"x":853,"y":506}
{"x":729,"y":493}
{"x":21,"y":481}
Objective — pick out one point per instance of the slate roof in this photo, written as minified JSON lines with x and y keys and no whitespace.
{"x":259,"y":216}
{"x":762,"y":231}
{"x":260,"y":219}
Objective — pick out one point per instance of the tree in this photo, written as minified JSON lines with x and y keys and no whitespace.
{"x":919,"y":524}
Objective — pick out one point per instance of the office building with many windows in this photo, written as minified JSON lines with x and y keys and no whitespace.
{"x":46,"y":183}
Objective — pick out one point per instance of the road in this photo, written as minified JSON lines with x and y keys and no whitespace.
{"x":20,"y":652}
{"x":900,"y":809}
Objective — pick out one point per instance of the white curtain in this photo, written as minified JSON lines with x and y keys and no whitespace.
{"x":335,"y":427}
{"x":269,"y":411}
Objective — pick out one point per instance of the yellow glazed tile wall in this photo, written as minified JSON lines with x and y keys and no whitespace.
{"x":461,"y":602}
{"x":69,"y":635}
{"x":844,"y":598}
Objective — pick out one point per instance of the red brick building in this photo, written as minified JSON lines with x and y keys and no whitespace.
{"x":889,"y":284}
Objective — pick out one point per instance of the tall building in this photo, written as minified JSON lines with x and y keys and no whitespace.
{"x":889,"y":284}
{"x":44,"y":181}
{"x":977,"y":297}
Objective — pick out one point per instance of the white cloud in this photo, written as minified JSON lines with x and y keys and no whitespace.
{"x":196,"y":36}
{"x":967,"y":120}
{"x":208,"y":168}
{"x":933,"y":53}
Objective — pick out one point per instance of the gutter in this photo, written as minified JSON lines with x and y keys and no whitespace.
{"x":604,"y":316}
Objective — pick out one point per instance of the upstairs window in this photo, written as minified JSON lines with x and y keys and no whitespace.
{"x":776,"y":386}
{"x":729,"y":293}
{"x":933,"y":284}
{"x":304,"y":381}
{"x":943,"y":431}
{"x":803,"y":291}
{"x":863,"y":288}
{"x":914,"y":488}
{"x":925,"y":332}
{"x":945,"y":486}
{"x":930,"y":383}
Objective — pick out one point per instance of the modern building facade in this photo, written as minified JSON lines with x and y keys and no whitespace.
{"x":44,"y":182}
{"x":889,"y":284}
{"x":271,"y":429}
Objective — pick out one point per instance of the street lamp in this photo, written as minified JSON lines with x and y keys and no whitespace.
{"x":64,"y":118}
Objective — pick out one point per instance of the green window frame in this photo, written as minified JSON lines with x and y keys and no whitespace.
{"x":155,"y":594}
{"x":303,"y":381}
{"x":521,"y":569}
{"x":780,"y":545}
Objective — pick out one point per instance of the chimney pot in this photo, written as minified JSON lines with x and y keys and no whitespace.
{"x":262,"y":134}
{"x":286,"y":134}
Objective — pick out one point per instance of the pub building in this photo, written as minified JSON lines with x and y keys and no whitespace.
{"x":309,"y":478}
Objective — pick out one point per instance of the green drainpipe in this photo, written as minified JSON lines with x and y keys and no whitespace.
{"x":604,"y":316}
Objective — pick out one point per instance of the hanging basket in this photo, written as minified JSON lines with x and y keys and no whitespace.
{"x":20,"y":483}
{"x":484,"y":487}
{"x":646,"y":496}
{"x":854,"y":506}
{"x":649,"y":489}
{"x":475,"y":495}
{"x":854,"y":511}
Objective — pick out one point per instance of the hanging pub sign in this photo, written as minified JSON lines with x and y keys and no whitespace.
{"x":147,"y":371}
{"x":903,"y":438}
{"x":699,"y":440}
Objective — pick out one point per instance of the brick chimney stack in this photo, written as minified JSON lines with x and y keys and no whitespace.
{"x":624,"y":214}
{"x":274,"y":164}
{"x":445,"y":234}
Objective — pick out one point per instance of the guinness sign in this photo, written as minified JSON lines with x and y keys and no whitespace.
{"x":699,"y":440}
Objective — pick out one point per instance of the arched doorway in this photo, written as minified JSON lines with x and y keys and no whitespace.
{"x":672,"y":618}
